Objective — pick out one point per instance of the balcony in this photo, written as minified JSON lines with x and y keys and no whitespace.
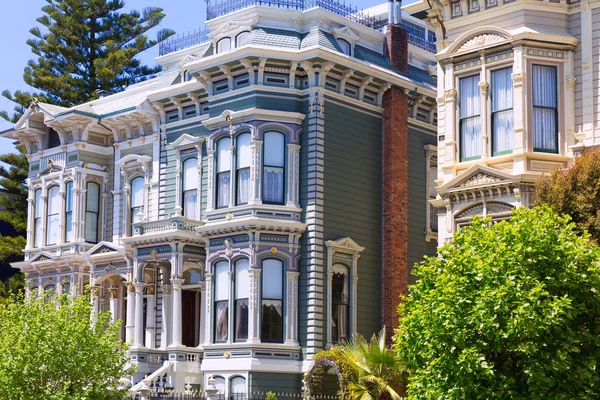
{"x":174,"y":227}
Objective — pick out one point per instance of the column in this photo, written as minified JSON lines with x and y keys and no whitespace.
{"x":255,"y":171}
{"x":177,"y":307}
{"x":519,"y":111}
{"x":147,"y":187}
{"x":117,"y":218}
{"x":178,"y":208}
{"x":130,"y":323}
{"x":79,"y":233}
{"x":230,"y":299}
{"x":30,"y":216}
{"x":150,"y":315}
{"x":354,"y":294}
{"x":232,"y":174}
{"x":113,"y":304}
{"x":208,"y":309}
{"x":166,"y":316}
{"x":210,"y":198}
{"x":62,"y":223}
{"x":95,"y":291}
{"x":254,"y":306}
{"x":483,"y":90}
{"x":293,"y":176}
{"x":291,"y":318}
{"x":138,"y":339}
{"x":44,"y":214}
{"x":587,"y":71}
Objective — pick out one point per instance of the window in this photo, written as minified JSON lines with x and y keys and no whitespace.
{"x":137,"y":199}
{"x":545,"y":112}
{"x":242,"y":289}
{"x":190,"y":188}
{"x":92,"y":212}
{"x":192,"y":276}
{"x":66,"y":288}
{"x":53,"y":218}
{"x":37,"y":219}
{"x":223,"y":176}
{"x":221,"y":301}
{"x":340,"y":310}
{"x":224,"y":45}
{"x":237,"y":385}
{"x":345,"y":46}
{"x":470,"y":120}
{"x":53,"y":138}
{"x":243,"y":168}
{"x":272,"y":301}
{"x":220,"y":384}
{"x":49,"y":292}
{"x":69,"y":212}
{"x":241,"y":39}
{"x":273,"y":170}
{"x":502,"y":111}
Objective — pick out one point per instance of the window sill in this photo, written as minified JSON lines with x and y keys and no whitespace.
{"x":466,"y":159}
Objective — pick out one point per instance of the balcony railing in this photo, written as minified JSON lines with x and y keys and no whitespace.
{"x":165,"y":226}
{"x":183,"y":41}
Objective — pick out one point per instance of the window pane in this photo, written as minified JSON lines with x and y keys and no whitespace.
{"x":241,"y":319}
{"x":190,"y":204}
{"x":221,"y":321}
{"x":272,"y":321}
{"x":243,"y":151}
{"x":238,"y":385}
{"x":243,"y":186}
{"x":340,"y":310}
{"x":192,"y":276}
{"x":272,"y":279}
{"x":190,"y":174}
{"x":224,"y":45}
{"x":52,"y":229}
{"x":91,"y":227}
{"x":274,"y":149}
{"x":502,"y":122}
{"x":93,"y":193}
{"x":53,"y":200}
{"x":221,"y":281}
{"x":136,"y":214}
{"x":544,"y":86}
{"x":273,"y":185}
{"x":470,"y":102}
{"x":242,"y":280}
{"x":137,"y":192}
{"x":69,"y":227}
{"x":502,"y":89}
{"x":37,"y":236}
{"x":220,"y":384}
{"x":544,"y":128}
{"x":69,"y":197}
{"x":241,"y":38}
{"x":470,"y":135}
{"x":223,"y":155}
{"x":345,"y":46}
{"x":223,"y":182}
{"x":502,"y":115}
{"x":38,"y":203}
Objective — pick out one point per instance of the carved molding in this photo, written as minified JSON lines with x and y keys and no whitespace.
{"x":482,"y":40}
{"x":480,"y":179}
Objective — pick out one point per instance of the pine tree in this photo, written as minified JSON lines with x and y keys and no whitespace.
{"x":86,"y":47}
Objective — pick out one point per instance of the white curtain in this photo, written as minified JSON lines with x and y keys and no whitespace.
{"x":137,"y":199}
{"x":243,"y":168}
{"x":274,"y":165}
{"x":37,"y":234}
{"x":470,"y":110}
{"x":223,"y":168}
{"x":272,"y":279}
{"x":273,"y":185}
{"x":190,"y":204}
{"x":502,"y":113}
{"x":221,"y":300}
{"x":223,"y":181}
{"x":53,"y":220}
{"x":544,"y":108}
{"x":190,"y":187}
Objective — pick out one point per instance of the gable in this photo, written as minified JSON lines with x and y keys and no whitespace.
{"x":476,"y":176}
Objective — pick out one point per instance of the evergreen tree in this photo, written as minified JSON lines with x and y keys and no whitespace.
{"x":86,"y":47}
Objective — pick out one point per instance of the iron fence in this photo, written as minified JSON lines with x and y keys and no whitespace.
{"x":191,"y":395}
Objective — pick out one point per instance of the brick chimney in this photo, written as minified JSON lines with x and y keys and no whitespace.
{"x":395,"y":182}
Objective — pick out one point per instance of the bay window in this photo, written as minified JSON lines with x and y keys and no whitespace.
{"x":92,"y":212}
{"x":221,"y":301}
{"x":53,"y":216}
{"x":242,"y":172}
{"x":502,"y":111}
{"x":223,"y":172}
{"x":137,"y":199}
{"x":37,"y":219}
{"x":545,"y":108}
{"x":190,"y":188}
{"x":69,"y":212}
{"x":272,"y":301}
{"x":470,"y":118}
{"x":273,"y":169}
{"x":242,"y":289}
{"x":340,"y":306}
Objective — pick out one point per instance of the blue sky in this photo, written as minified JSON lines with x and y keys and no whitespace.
{"x":18,"y":17}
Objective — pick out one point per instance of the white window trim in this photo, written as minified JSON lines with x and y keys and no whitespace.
{"x":430,"y":155}
{"x":184,"y":142}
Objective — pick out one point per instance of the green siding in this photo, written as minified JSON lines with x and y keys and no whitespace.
{"x":353,"y":200}
{"x":272,"y":382}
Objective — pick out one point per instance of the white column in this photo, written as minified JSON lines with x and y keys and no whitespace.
{"x":293,"y":176}
{"x":150,"y":315}
{"x":147,"y":187}
{"x":178,"y":208}
{"x":230,"y":320}
{"x":138,"y":339}
{"x":166,"y":316}
{"x":203,"y":319}
{"x":210,"y":198}
{"x":117,"y":207}
{"x":199,"y":187}
{"x":208,"y":309}
{"x":44,"y":214}
{"x":328,"y":308}
{"x":30,"y":218}
{"x":354,"y":294}
{"x":254,"y":306}
{"x":291,"y":318}
{"x":130,"y":318}
{"x":62,"y":223}
{"x":79,"y":234}
{"x":232,"y":174}
{"x":114,"y":304}
{"x":177,"y":307}
{"x":255,"y":172}
{"x":103,"y":208}
{"x":587,"y":72}
{"x":450,"y":115}
{"x":95,"y":303}
{"x":519,"y":110}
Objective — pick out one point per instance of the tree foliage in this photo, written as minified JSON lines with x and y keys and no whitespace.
{"x":507,"y":311}
{"x":51,"y":352}
{"x":575,"y":192}
{"x":85,"y":47}
{"x":369,"y":369}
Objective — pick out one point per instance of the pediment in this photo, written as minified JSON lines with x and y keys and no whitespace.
{"x":479,"y":41}
{"x":476,"y":176}
{"x":232,"y":27}
{"x":344,"y":245}
{"x":478,"y":38}
{"x":346,"y":33}
{"x":42,"y":257}
{"x":102,"y":248}
{"x":52,"y":167}
{"x":187,"y":140}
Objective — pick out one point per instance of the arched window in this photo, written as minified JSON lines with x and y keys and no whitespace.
{"x":69,"y":212}
{"x":272,"y":301}
{"x":49,"y":291}
{"x":221,"y":301}
{"x":92,"y":212}
{"x":53,"y":138}
{"x":53,"y":217}
{"x":241,"y":39}
{"x":220,"y":384}
{"x":237,"y":385}
{"x":190,"y":188}
{"x":242,"y":289}
{"x":345,"y":46}
{"x":192,"y":276}
{"x":274,"y":165}
{"x":223,"y":45}
{"x":340,"y":306}
{"x":37,"y":219}
{"x":137,"y":199}
{"x":223,"y":175}
{"x":243,"y":168}
{"x":66,"y":288}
